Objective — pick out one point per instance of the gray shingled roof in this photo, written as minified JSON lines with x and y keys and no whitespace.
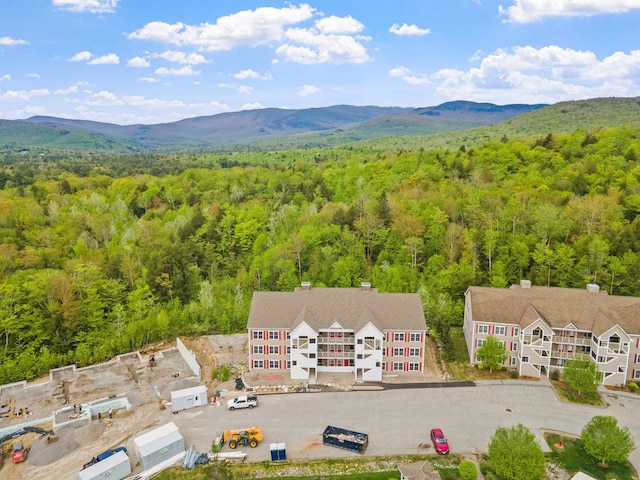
{"x":353,"y":308}
{"x":559,"y":307}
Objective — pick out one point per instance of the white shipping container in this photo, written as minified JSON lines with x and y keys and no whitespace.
{"x":115,"y":467}
{"x":188,"y":398}
{"x":158,"y":445}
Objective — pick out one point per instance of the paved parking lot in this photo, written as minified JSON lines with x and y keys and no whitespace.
{"x":398,"y":421}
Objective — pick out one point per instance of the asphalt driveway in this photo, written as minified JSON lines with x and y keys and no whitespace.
{"x":398,"y":420}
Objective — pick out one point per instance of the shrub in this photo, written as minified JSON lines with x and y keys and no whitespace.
{"x":468,"y":470}
{"x":633,"y":386}
{"x":485,"y":467}
{"x":554,"y":375}
{"x":225,"y":373}
{"x":491,"y":476}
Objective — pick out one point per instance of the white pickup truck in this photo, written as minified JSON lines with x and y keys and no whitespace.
{"x":245,"y":401}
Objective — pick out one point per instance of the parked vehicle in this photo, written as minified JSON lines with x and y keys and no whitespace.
{"x":439,"y":441}
{"x":103,"y":455}
{"x":19,"y":453}
{"x":244,"y":401}
{"x":347,"y":439}
{"x":243,"y":437}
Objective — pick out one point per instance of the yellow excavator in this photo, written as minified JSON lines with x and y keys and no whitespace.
{"x":243,"y":437}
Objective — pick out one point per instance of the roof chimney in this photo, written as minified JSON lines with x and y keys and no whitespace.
{"x":593,"y":288}
{"x":365,"y":286}
{"x":525,"y":283}
{"x":305,"y":286}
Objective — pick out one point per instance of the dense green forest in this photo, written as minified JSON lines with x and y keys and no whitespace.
{"x":100,"y":256}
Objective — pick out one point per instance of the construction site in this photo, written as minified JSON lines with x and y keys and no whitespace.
{"x":69,"y":417}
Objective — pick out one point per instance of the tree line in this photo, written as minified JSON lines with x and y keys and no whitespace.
{"x":99,"y":256}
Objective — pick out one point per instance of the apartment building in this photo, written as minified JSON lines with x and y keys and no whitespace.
{"x":358,"y":331}
{"x":544,"y":327}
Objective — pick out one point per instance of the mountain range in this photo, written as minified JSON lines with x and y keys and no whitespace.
{"x":274,"y":128}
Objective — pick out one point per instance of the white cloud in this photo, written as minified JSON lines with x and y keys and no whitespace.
{"x":81,"y":56}
{"x":545,"y":75}
{"x":23,"y":95}
{"x":329,"y":41}
{"x":91,"y":6}
{"x":180,"y":72}
{"x":248,"y":27}
{"x":251,"y":74}
{"x":525,"y":11}
{"x":251,"y":106}
{"x":108,"y":59}
{"x":245,"y":89}
{"x":308,"y":90}
{"x":33,"y":75}
{"x":148,"y":79}
{"x":67,"y":91}
{"x":12,"y":41}
{"x":138,"y":62}
{"x":405,"y":29}
{"x":181,"y":57}
{"x":315,"y":47}
{"x":6,"y":76}
{"x":339,"y":25}
{"x":408,"y":76}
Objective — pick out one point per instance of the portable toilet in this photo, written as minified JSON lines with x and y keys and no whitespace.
{"x":159,"y":445}
{"x":282,"y":451}
{"x":273,"y":447}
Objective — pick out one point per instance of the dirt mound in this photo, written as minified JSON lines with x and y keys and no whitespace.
{"x":46,"y":450}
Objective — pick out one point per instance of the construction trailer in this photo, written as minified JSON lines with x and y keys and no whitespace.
{"x":188,"y":398}
{"x":114,"y":467}
{"x":159,"y":445}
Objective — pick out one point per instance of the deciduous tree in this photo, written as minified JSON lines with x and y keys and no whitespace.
{"x":581,"y":375}
{"x":492,"y":354}
{"x":604,"y":440}
{"x":516,"y":455}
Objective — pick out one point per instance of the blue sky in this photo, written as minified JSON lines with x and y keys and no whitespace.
{"x":156,"y":61}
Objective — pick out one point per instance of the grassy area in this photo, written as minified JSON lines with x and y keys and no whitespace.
{"x":566,"y":393}
{"x":365,"y":468}
{"x":460,"y":369}
{"x":574,"y":458}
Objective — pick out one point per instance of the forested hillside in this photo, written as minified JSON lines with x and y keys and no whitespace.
{"x":98,"y":257}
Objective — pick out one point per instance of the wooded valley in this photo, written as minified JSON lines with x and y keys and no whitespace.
{"x":99,"y":256}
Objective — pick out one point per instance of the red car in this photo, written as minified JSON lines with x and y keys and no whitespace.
{"x":439,"y":441}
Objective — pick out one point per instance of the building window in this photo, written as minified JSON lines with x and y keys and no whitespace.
{"x":273,"y":335}
{"x":513,"y":361}
{"x":258,"y":349}
{"x":288,"y":349}
{"x":398,"y":337}
{"x":636,"y":374}
{"x":398,"y":352}
{"x":415,"y":337}
{"x":359,"y":356}
{"x":288,"y":335}
{"x":479,"y":342}
{"x":294,"y":362}
{"x":312,"y":340}
{"x":525,"y":359}
{"x":414,"y":352}
{"x":274,"y":364}
{"x":499,"y":330}
{"x":288,"y":364}
{"x":514,"y":347}
{"x":516,"y":331}
{"x":398,"y":366}
{"x":483,"y":328}
{"x":414,"y":367}
{"x":258,"y":364}
{"x":273,"y":349}
{"x":257,"y":335}
{"x":312,"y":355}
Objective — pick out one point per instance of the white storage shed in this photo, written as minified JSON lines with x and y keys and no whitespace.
{"x":188,"y":398}
{"x":159,"y":445}
{"x":115,"y":467}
